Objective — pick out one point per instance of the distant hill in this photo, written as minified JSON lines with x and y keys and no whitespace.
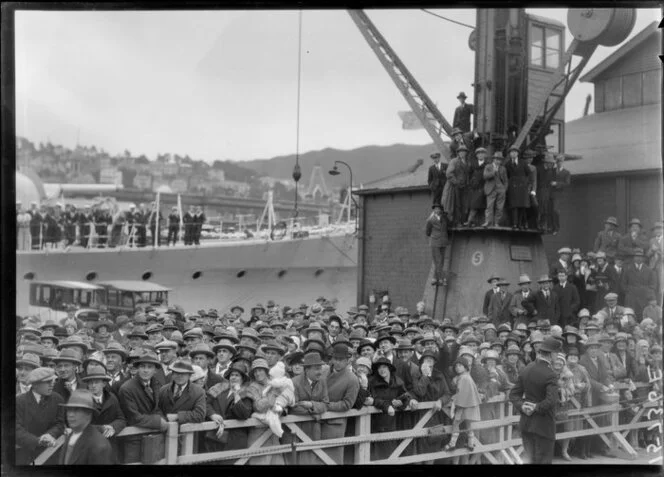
{"x":369,"y":163}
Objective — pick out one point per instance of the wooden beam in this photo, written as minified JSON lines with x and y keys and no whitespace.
{"x":305,"y":438}
{"x":363,"y":450}
{"x":404,"y":443}
{"x":258,"y":443}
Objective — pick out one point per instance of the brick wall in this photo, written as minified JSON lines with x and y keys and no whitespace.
{"x":396,"y":254}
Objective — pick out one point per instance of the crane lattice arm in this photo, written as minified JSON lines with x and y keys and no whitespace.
{"x":425,"y":109}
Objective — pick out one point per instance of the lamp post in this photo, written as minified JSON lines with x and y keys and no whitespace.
{"x":335,"y":172}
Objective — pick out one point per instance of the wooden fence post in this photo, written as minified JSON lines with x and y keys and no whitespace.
{"x":363,"y":428}
{"x":171,"y":443}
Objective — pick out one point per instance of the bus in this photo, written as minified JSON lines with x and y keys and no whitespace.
{"x":49,"y":299}
{"x":124,"y":297}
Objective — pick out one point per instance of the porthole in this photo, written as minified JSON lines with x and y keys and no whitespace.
{"x":319,"y":272}
{"x":197,"y":274}
{"x":241,"y":273}
{"x":146,"y":275}
{"x":90,"y":276}
{"x":281,"y":273}
{"x":29,"y":276}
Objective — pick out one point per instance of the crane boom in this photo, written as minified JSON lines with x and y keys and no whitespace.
{"x":420,"y":103}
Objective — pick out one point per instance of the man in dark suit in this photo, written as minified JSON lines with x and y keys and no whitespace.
{"x":546,"y":302}
{"x":462,"y":114}
{"x":65,"y":367}
{"x":499,"y":306}
{"x":637,"y":282}
{"x":535,"y":395}
{"x":568,"y":300}
{"x":519,"y":187}
{"x":615,"y":273}
{"x":563,"y":180}
{"x":139,"y":401}
{"x":39,"y":418}
{"x":495,"y":189}
{"x":85,"y":445}
{"x":436,"y":230}
{"x":181,"y":401}
{"x":437,"y":177}
{"x":599,"y":378}
{"x":189,"y":225}
{"x":202,"y":355}
{"x":563,"y":263}
{"x":199,"y":220}
{"x":168,"y":353}
{"x":493,"y":281}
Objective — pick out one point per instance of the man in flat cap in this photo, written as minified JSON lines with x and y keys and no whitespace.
{"x":39,"y":418}
{"x":462,"y":114}
{"x":436,"y":178}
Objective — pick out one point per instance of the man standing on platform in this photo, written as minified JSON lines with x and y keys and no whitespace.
{"x":519,"y":187}
{"x":462,"y":114}
{"x":535,"y":395}
{"x":455,"y":194}
{"x":436,"y":178}
{"x":477,"y":198}
{"x":199,"y":220}
{"x":637,"y":281}
{"x":563,"y":180}
{"x":495,"y":187}
{"x":436,"y":230}
{"x":607,"y":240}
{"x":173,"y":226}
{"x":189,"y":225}
{"x":568,"y":300}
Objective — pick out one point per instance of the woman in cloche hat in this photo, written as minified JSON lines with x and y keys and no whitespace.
{"x":465,"y":404}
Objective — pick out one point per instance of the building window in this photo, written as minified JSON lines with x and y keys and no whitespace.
{"x":545,"y":47}
{"x":631,"y":90}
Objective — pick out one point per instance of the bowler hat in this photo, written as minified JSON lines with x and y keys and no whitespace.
{"x":384,"y":337}
{"x":366,"y":342}
{"x":341,"y":351}
{"x":551,"y":345}
{"x":504,"y":327}
{"x":81,"y":399}
{"x":273,"y":345}
{"x":28,"y":359}
{"x":181,"y":366}
{"x":40,"y":375}
{"x":226,"y":346}
{"x":494,"y":277}
{"x":524,"y":279}
{"x":96,"y":372}
{"x":448,"y":325}
{"x":635,"y":221}
{"x":497,"y":155}
{"x":68,"y":355}
{"x":237,"y":307}
{"x":147,"y":358}
{"x":382,"y":361}
{"x":115,"y":347}
{"x":612,"y":221}
{"x":312,"y":359}
{"x":294,"y":358}
{"x":108,"y":324}
{"x":461,"y":95}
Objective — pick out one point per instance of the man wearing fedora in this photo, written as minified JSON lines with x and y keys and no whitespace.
{"x":568,"y":300}
{"x":637,"y":282}
{"x":495,"y":189}
{"x":455,"y":200}
{"x":39,"y":418}
{"x":84,"y":445}
{"x":535,"y":396}
{"x":139,"y":401}
{"x":546,"y":176}
{"x":343,"y":387}
{"x":436,"y":177}
{"x":563,"y":180}
{"x":522,"y":306}
{"x":462,"y":114}
{"x":311,"y":399}
{"x":499,"y":306}
{"x":519,"y":188}
{"x":477,"y":198}
{"x":202,"y":355}
{"x":436,"y":230}
{"x":546,"y":301}
{"x":607,"y":240}
{"x":180,"y":400}
{"x":635,"y":238}
{"x":66,"y":367}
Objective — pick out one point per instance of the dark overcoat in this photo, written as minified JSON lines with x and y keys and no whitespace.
{"x":91,"y":448}
{"x":432,"y":389}
{"x":189,"y":406}
{"x":538,"y":384}
{"x":383,"y":394}
{"x":221,"y":401}
{"x":34,"y":420}
{"x":476,"y":183}
{"x":518,"y":188}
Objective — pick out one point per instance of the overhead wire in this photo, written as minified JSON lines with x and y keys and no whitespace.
{"x":447,"y":19}
{"x":296,"y":171}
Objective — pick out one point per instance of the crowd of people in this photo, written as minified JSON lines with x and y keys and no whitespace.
{"x":99,"y":226}
{"x":160,"y":366}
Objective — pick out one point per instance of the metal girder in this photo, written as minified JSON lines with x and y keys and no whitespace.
{"x":420,"y":103}
{"x":547,"y":105}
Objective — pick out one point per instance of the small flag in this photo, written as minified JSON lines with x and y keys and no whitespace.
{"x":410,"y":121}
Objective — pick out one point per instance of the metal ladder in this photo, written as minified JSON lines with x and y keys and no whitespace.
{"x":425,"y":109}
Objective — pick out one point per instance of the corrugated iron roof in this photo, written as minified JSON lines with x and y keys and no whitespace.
{"x":619,"y":54}
{"x":616,"y":141}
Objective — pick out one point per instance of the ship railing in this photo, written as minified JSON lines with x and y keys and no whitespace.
{"x":496,"y":436}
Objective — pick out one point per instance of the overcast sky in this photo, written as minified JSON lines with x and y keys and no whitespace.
{"x":223,"y":84}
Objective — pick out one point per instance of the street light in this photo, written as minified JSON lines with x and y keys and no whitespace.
{"x":335,"y":172}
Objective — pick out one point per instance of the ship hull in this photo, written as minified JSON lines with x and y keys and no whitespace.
{"x":290,"y":272}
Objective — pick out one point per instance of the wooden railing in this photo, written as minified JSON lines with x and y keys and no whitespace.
{"x":181,"y":440}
